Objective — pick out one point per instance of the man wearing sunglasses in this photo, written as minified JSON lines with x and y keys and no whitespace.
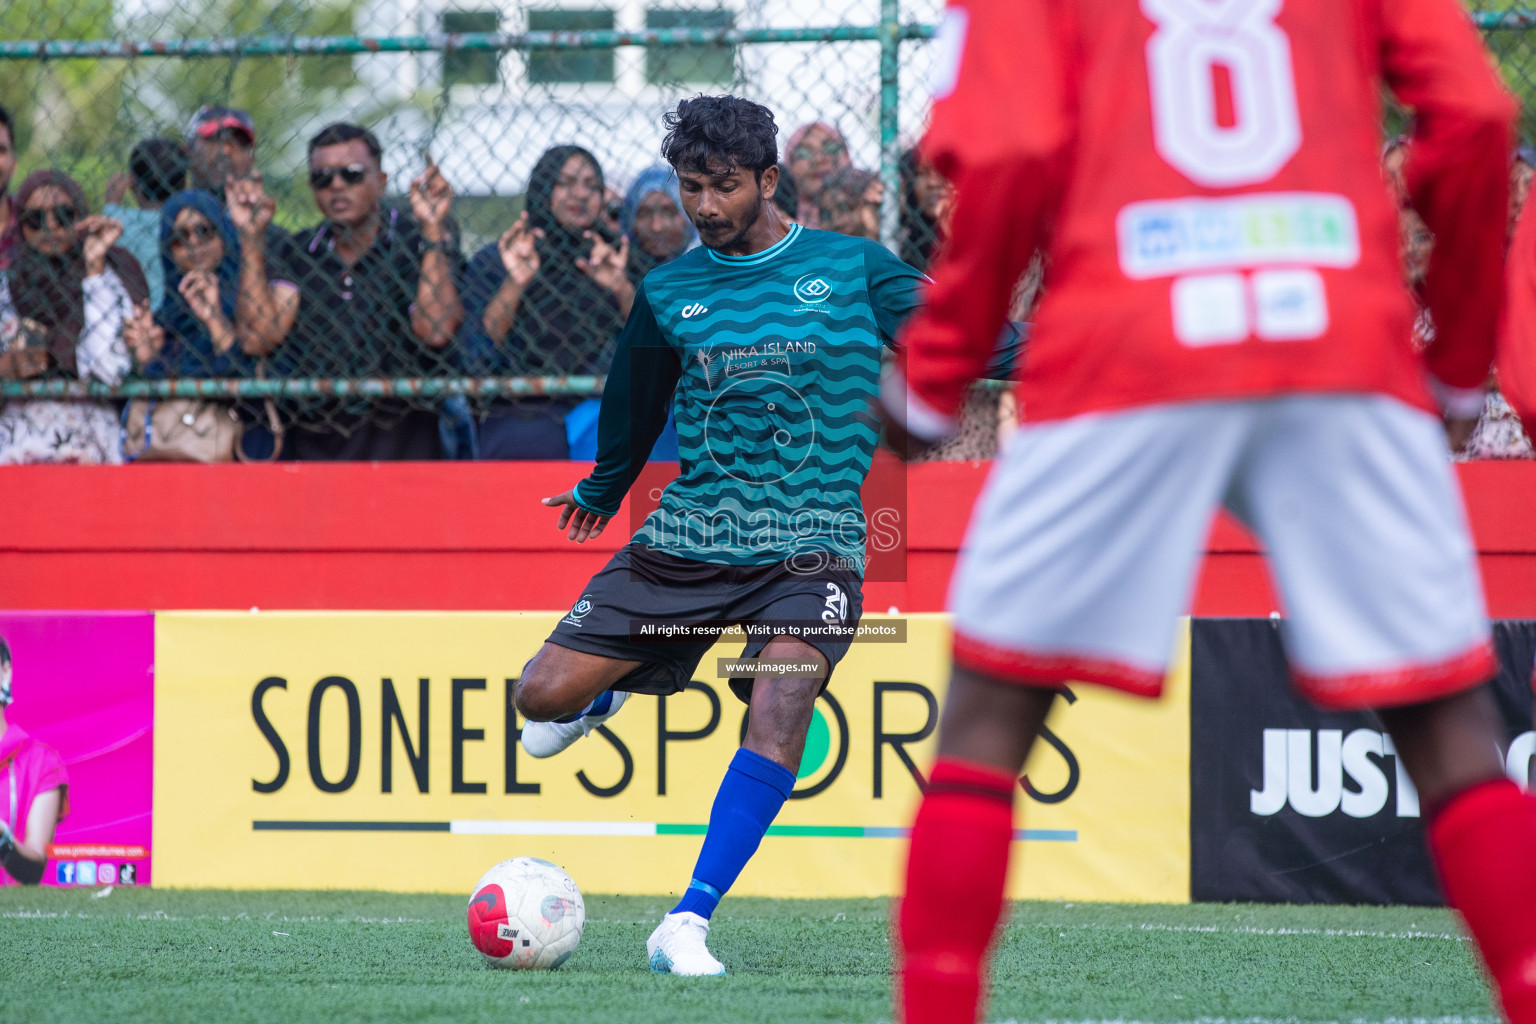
{"x":368,"y":292}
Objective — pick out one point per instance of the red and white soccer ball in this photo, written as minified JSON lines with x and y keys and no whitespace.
{"x":526,"y":914}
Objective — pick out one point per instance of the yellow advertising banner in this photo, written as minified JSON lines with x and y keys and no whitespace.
{"x":378,"y":751}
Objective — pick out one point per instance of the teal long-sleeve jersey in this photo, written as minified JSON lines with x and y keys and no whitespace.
{"x":769,"y":362}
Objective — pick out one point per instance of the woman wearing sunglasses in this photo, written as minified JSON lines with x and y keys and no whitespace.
{"x":63,"y":308}
{"x":814,"y":153}
{"x":194,"y":331}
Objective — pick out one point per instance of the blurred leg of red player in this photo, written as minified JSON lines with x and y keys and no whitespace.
{"x":1482,"y":833}
{"x":958,"y":861}
{"x":1083,"y":551}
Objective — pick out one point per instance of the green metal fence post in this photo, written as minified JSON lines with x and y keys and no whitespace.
{"x":890,"y":122}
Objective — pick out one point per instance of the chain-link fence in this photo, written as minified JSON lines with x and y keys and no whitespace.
{"x":356,"y":324}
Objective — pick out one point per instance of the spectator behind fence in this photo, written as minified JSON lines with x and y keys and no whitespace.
{"x":69,"y":295}
{"x":548,"y":298}
{"x":10,"y":236}
{"x":376,"y":297}
{"x":221,"y":150}
{"x":157,"y":170}
{"x":196,"y":334}
{"x":814,"y":153}
{"x":37,"y":785}
{"x":652,"y":218}
{"x":221,"y":145}
{"x":1414,"y":239}
{"x":850,"y":203}
{"x":925,"y":199}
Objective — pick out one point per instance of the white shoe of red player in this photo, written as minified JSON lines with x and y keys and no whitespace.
{"x":546,"y":739}
{"x":677,"y":947}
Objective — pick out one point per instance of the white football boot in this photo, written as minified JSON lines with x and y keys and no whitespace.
{"x":677,"y":947}
{"x":546,"y":739}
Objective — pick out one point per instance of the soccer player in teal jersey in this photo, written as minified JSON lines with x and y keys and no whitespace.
{"x":766,"y":343}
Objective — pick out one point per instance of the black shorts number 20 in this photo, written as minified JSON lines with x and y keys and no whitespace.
{"x":625,"y":608}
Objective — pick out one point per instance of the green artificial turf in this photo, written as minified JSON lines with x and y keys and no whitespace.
{"x":166,"y":957}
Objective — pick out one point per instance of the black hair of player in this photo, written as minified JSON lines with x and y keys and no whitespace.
{"x":8,"y":125}
{"x":159,"y":169}
{"x":710,"y":134}
{"x":341,"y":133}
{"x":5,"y":652}
{"x":786,"y":196}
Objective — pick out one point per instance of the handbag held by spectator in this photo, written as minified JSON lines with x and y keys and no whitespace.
{"x":180,"y":430}
{"x":188,"y":430}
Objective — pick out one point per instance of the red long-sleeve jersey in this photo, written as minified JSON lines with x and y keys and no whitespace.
{"x":1204,"y":177}
{"x":1517,"y":337}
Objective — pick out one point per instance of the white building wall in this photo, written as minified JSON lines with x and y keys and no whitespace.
{"x":488,"y":138}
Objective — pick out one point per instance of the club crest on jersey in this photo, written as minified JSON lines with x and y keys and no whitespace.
{"x":812,"y":288}
{"x":836,"y":602}
{"x":578,"y":611}
{"x":693,"y":310}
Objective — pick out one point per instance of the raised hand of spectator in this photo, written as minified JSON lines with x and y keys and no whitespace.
{"x":431,"y":198}
{"x":21,"y":363}
{"x":250,"y":208}
{"x":117,"y":188}
{"x":98,"y":234}
{"x":607,"y":265}
{"x":519,"y":250}
{"x":201,"y":290}
{"x":144,"y":337}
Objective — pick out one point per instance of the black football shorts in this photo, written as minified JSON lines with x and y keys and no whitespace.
{"x":626,"y":609}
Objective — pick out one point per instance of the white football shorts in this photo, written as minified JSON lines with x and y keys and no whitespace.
{"x":1085,"y":544}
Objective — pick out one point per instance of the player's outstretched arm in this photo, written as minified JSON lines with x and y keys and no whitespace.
{"x":1458,"y":178}
{"x":1005,"y":141}
{"x":1516,"y":360}
{"x":578,"y":523}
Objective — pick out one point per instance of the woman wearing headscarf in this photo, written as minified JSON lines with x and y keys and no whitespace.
{"x":547,"y":299}
{"x":814,"y":153}
{"x":66,"y":299}
{"x":653,"y":220}
{"x":200,"y":254}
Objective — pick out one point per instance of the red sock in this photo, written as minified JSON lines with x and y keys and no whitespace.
{"x":1484,"y":842}
{"x":956,"y":868}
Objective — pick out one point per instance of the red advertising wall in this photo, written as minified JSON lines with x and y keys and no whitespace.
{"x":433,"y":536}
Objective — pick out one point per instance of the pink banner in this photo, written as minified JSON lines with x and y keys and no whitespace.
{"x":83,"y":684}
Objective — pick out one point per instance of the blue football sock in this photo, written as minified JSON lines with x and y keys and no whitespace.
{"x":749,"y":799}
{"x":599,"y":706}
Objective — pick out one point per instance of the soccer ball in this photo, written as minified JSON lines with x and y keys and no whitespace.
{"x":526,"y":914}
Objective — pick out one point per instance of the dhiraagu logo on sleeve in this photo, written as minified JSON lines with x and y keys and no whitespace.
{"x":379,"y":751}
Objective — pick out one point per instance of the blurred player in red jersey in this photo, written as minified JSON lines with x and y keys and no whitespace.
{"x":1225,"y":324}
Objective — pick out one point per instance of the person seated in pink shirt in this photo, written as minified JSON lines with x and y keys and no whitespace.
{"x":34,"y":793}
